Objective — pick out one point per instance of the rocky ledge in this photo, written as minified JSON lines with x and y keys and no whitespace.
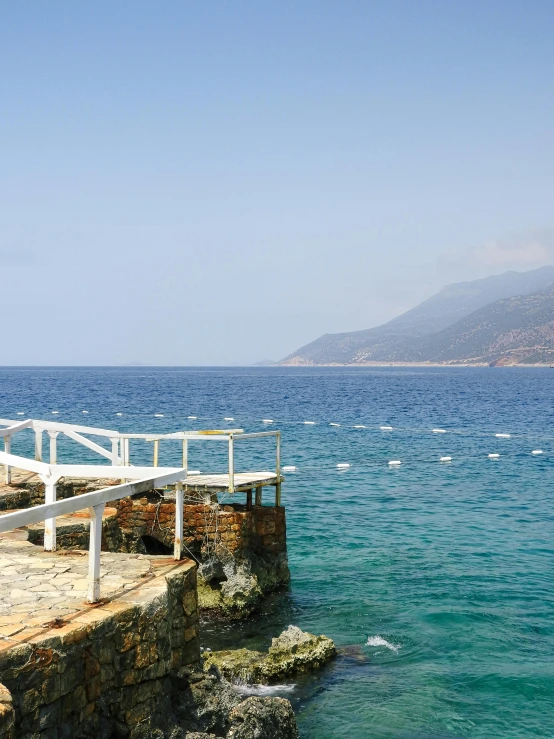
{"x":294,"y":651}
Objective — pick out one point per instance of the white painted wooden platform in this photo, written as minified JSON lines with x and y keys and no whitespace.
{"x":243,"y":481}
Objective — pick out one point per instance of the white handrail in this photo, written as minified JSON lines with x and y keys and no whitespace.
{"x":96,"y":502}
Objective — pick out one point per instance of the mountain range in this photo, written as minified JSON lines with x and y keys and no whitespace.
{"x":503,"y":319}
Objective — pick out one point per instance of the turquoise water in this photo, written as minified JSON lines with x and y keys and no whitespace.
{"x":435,"y":578}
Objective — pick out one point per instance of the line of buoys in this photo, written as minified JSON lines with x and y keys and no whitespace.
{"x":343,"y":465}
{"x":385,"y":428}
{"x":395,"y":462}
{"x":494,"y":456}
{"x":502,"y":436}
{"x":439,"y":431}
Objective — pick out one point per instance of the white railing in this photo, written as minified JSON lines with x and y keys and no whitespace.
{"x":119,"y":454}
{"x":230,"y":436}
{"x":96,"y":502}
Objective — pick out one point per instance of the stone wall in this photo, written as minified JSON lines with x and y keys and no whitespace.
{"x":109,"y":671}
{"x":242,"y":552}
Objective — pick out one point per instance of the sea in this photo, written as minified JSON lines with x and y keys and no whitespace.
{"x":434,"y":578}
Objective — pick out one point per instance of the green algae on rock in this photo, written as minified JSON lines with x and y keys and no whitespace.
{"x":292,"y":652}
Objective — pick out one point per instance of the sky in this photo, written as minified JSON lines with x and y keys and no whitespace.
{"x":216,"y":183}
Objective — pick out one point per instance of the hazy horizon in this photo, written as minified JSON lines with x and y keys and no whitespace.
{"x":218,"y":184}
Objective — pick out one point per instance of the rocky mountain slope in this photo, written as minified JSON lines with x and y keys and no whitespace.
{"x":507,"y":318}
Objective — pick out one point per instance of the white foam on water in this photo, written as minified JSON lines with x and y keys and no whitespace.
{"x":158,"y":415}
{"x":192,"y":418}
{"x":229,"y":419}
{"x":537,"y":451}
{"x":360,"y":426}
{"x":334,"y":424}
{"x":378,"y":641}
{"x":439,"y":431}
{"x":309,"y":423}
{"x":119,"y":414}
{"x":20,"y":413}
{"x":502,"y":436}
{"x":55,"y":413}
{"x":386,"y":428}
{"x":343,"y":465}
{"x":267,"y":420}
{"x":494,"y":456}
{"x":263,"y":689}
{"x":395,"y":462}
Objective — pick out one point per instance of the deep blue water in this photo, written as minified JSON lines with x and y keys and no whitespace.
{"x":436,"y":578}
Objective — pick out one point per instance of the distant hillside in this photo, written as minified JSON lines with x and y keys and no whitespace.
{"x":441,"y":329}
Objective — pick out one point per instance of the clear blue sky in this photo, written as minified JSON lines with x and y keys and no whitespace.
{"x":220,"y":182}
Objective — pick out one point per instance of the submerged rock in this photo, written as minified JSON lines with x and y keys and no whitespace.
{"x":292,"y":652}
{"x":270,"y":718}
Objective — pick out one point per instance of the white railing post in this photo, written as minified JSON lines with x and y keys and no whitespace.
{"x":7,"y":448}
{"x":231,"y":464}
{"x":53,"y":446}
{"x":178,"y":548}
{"x":38,"y":445}
{"x":49,"y":523}
{"x":115,"y":451}
{"x":127,"y":453}
{"x":95,"y":546}
{"x":278,"y":454}
{"x":156,"y":452}
{"x":186,"y":454}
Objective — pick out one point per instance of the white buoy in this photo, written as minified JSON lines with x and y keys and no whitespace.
{"x":192,"y":418}
{"x":267,"y":420}
{"x":334,"y":424}
{"x":84,"y":411}
{"x":119,"y":414}
{"x":309,"y":423}
{"x":537,"y":451}
{"x":439,"y":431}
{"x":228,"y":419}
{"x":502,"y":436}
{"x":55,"y":413}
{"x":289,"y":468}
{"x":494,"y":456}
{"x":343,"y":465}
{"x":158,"y":415}
{"x":360,"y":426}
{"x":20,"y":413}
{"x":395,"y":462}
{"x":386,"y":428}
{"x":445,"y":459}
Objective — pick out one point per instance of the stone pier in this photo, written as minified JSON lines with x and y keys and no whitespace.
{"x":73,"y":670}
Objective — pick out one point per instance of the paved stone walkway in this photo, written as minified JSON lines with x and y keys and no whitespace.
{"x":40,"y":590}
